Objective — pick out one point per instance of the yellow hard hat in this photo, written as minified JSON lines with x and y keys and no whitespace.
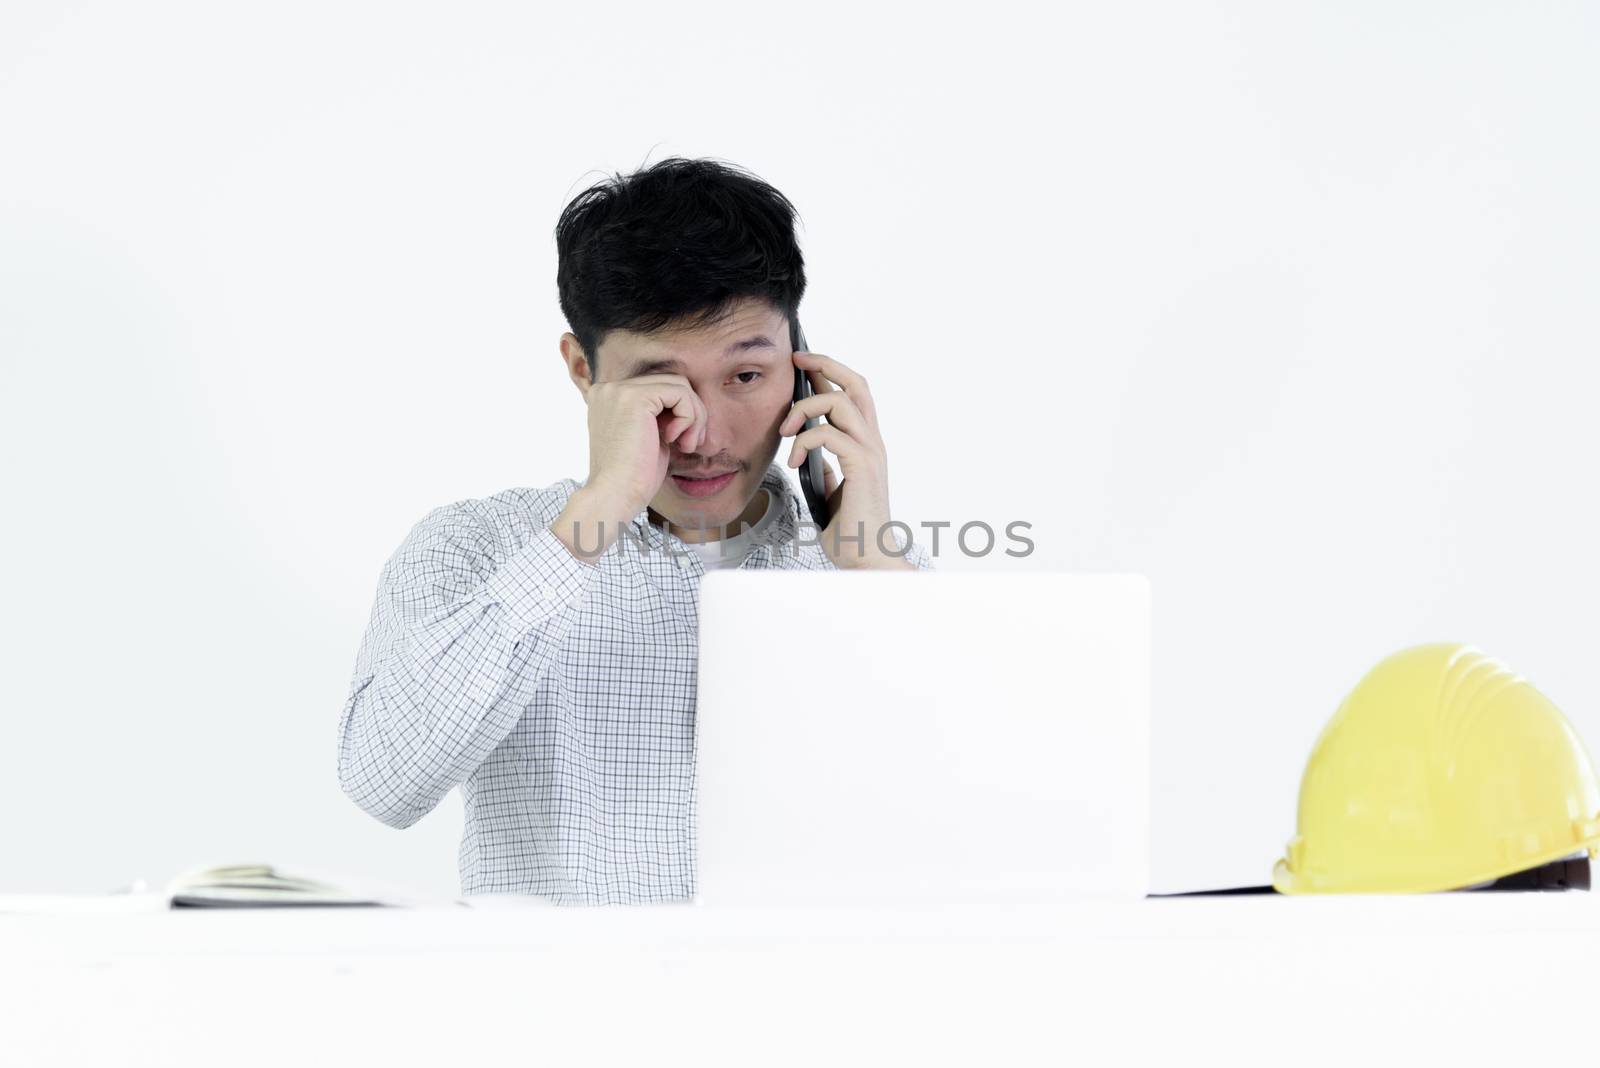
{"x":1442,"y":769}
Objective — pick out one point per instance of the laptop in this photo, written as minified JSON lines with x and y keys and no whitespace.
{"x":878,"y":737}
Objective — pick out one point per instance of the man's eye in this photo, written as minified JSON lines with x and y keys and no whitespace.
{"x":741,"y":374}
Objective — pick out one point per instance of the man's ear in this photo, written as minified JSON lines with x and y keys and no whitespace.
{"x":577,"y":362}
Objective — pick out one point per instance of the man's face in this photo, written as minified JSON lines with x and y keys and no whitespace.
{"x":742,"y":370}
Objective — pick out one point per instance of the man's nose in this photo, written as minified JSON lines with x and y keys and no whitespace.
{"x":713,"y":434}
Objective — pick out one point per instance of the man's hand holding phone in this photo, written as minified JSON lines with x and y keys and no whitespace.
{"x":633,"y":424}
{"x":858,"y":505}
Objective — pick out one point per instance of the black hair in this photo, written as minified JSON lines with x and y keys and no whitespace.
{"x":677,"y":242}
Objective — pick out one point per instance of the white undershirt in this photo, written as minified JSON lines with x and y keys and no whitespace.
{"x":730,"y":552}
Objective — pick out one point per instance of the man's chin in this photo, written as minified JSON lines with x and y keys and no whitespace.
{"x":720,"y":509}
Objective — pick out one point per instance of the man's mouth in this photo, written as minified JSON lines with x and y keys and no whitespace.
{"x":702,"y":485}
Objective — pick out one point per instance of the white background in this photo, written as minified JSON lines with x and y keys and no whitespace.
{"x":1290,"y":308}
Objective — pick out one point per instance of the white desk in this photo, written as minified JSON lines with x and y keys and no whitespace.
{"x":1255,"y":979}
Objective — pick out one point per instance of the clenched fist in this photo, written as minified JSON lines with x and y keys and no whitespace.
{"x":632,"y":426}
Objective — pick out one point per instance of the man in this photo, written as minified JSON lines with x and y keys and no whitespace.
{"x":538,"y":647}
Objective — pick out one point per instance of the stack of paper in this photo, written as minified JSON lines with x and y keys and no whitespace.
{"x":258,"y":885}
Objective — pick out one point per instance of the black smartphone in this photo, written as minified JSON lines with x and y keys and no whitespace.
{"x":811,"y":482}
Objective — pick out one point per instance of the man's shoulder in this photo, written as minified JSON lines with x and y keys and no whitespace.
{"x":495,"y":523}
{"x":522,"y":505}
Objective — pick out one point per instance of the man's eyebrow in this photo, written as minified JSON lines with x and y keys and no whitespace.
{"x":651,"y":367}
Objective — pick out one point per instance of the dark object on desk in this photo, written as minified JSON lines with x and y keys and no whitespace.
{"x":1232,"y":890}
{"x":1568,"y":873}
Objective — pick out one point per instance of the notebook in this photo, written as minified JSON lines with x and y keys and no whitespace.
{"x":235,"y":886}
